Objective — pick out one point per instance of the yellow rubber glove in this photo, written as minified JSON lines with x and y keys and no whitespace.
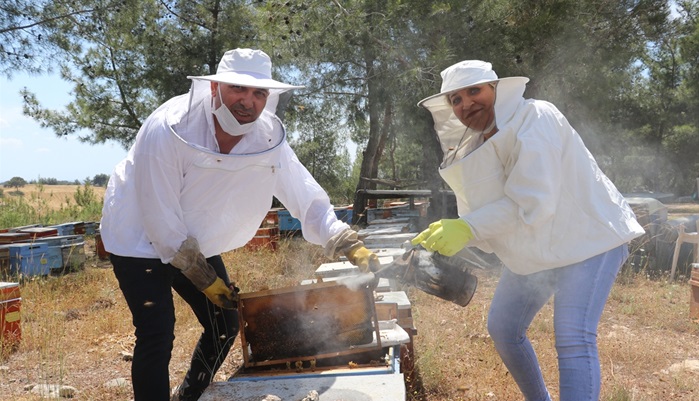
{"x":194,"y":266}
{"x":366,"y":260}
{"x":221,"y":294}
{"x":446,"y":236}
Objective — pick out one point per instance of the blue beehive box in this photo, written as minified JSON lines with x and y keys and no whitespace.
{"x":91,"y":227}
{"x":4,"y":260}
{"x":34,"y":259}
{"x":78,"y":227}
{"x":65,"y":228}
{"x":71,"y":249}
{"x":287,"y":222}
{"x":73,"y":252}
{"x":344,"y":214}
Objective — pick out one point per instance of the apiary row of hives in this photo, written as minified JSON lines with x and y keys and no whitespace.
{"x":326,"y":338}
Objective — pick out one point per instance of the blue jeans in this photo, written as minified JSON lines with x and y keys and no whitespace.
{"x":580,"y":292}
{"x":147,"y":286}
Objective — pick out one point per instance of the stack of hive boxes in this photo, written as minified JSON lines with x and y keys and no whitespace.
{"x":39,"y":251}
{"x":10,"y":302}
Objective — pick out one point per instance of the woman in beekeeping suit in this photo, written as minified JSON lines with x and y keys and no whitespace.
{"x":528,"y":190}
{"x":198,"y":181}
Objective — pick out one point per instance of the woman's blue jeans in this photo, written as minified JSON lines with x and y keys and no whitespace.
{"x":580,"y":292}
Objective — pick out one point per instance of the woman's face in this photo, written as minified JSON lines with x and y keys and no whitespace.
{"x":474,"y":106}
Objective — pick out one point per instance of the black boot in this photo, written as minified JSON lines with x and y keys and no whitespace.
{"x":185,"y":392}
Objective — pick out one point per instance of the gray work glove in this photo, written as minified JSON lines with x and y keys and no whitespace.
{"x":193,"y":265}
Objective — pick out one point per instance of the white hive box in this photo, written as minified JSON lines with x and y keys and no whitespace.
{"x":383,"y":286}
{"x":343,"y":268}
{"x":387,"y":241}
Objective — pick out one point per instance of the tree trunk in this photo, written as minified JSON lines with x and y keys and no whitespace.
{"x":376,"y":142}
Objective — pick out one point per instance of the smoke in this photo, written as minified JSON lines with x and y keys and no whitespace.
{"x":617,"y":110}
{"x":305,"y":321}
{"x":357,"y":282}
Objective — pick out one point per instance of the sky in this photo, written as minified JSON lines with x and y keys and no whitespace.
{"x":32,"y":152}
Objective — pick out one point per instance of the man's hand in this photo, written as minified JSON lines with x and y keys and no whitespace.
{"x":366,"y":260}
{"x":193,"y":265}
{"x":221,"y":294}
{"x":347,"y":243}
{"x":446,"y":236}
{"x":368,"y":263}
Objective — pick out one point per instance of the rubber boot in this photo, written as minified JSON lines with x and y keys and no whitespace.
{"x":185,"y":391}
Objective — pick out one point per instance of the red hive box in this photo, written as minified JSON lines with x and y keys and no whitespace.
{"x":102,"y":254}
{"x":38,"y":232}
{"x":10,"y":301}
{"x":266,"y":237}
{"x":8,"y":238}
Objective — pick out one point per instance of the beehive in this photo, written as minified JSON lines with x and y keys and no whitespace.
{"x":10,"y":318}
{"x":305,"y":322}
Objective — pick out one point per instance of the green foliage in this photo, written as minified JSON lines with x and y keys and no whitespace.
{"x":624,"y":73}
{"x":27,"y":34}
{"x":16,"y":182}
{"x":358,"y":59}
{"x":129,"y":57}
{"x":683,"y":146}
{"x":85,"y":196}
{"x":47,"y":181}
{"x":16,"y":212}
{"x":100,"y":180}
{"x":318,"y":140}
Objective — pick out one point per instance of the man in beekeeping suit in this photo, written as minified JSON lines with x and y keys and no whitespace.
{"x":198,"y":181}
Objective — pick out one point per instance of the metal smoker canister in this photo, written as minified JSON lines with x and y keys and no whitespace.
{"x":442,"y":276}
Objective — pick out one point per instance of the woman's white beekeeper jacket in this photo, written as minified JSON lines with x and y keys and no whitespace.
{"x":174,"y":183}
{"x":532,"y":193}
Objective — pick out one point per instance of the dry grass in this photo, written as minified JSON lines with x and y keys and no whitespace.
{"x":76,"y":326}
{"x":50,"y":196}
{"x":681,"y":208}
{"x":645,"y":329}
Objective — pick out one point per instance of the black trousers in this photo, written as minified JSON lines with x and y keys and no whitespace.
{"x":147,"y":287}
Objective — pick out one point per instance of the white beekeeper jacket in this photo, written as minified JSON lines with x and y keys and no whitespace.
{"x":174,"y":183}
{"x":532,"y":193}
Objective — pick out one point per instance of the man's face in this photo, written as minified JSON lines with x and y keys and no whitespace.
{"x":474,"y":106}
{"x":245,"y":103}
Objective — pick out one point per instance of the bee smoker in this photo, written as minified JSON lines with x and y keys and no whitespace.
{"x":446,"y":277}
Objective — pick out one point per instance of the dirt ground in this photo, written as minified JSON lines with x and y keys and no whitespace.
{"x":77,"y":332}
